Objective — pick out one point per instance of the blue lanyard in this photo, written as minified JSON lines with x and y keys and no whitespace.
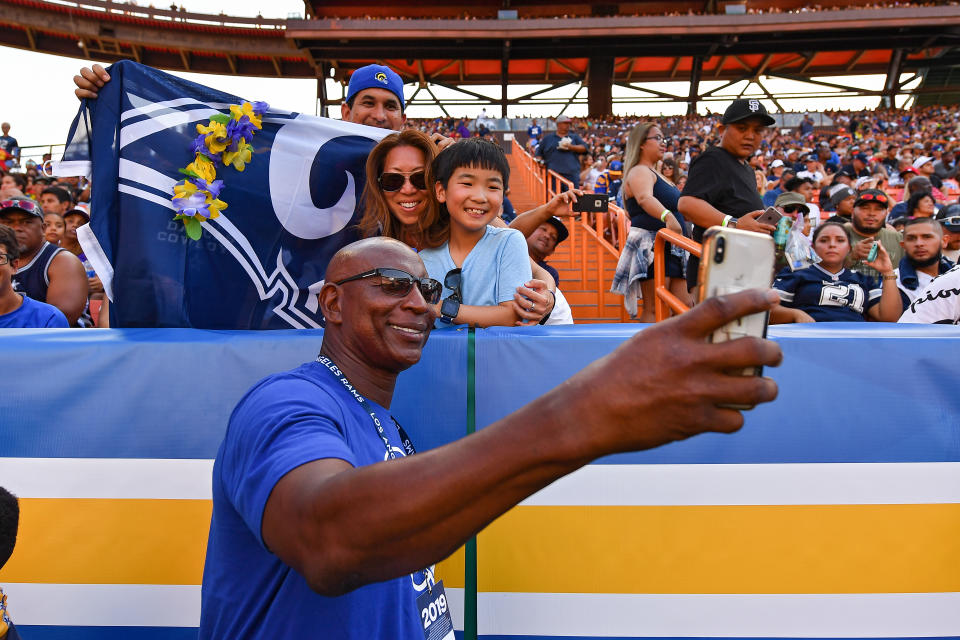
{"x":404,"y":438}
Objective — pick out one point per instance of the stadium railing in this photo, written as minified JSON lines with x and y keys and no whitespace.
{"x":609,"y":231}
{"x":664,"y":300}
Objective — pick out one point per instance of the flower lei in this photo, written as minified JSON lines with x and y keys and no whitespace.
{"x":224,"y":140}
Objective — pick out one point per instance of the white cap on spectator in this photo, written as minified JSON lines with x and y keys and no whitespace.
{"x":860,"y":182}
{"x":776,"y":163}
{"x":922,"y":160}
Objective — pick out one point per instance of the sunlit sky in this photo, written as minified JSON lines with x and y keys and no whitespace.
{"x":45,"y":118}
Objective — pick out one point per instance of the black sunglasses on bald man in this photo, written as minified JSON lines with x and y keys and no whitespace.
{"x":398,"y":283}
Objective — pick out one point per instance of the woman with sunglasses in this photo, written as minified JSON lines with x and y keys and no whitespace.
{"x":396,"y":201}
{"x":651,"y":200}
{"x":827,"y":292}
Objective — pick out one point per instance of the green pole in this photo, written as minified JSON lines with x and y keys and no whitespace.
{"x":470,"y":554}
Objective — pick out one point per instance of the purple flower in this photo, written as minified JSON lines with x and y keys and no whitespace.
{"x":213,"y":187}
{"x":259,"y":108}
{"x":199,"y":146}
{"x":192,"y":205}
{"x":238,"y":130}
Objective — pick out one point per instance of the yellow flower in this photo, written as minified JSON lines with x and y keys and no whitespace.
{"x":184,"y":189}
{"x":240,"y":157}
{"x":215,"y":206}
{"x":203,"y":167}
{"x":215,"y":136}
{"x":237,"y":112}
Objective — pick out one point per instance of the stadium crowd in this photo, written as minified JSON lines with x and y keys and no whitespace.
{"x":899,"y":163}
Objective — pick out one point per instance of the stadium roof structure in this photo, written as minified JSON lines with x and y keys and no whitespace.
{"x":526,"y":42}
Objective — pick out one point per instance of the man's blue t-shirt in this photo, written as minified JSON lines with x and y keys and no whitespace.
{"x":534,"y":131}
{"x":491,"y":272}
{"x":34,"y":315}
{"x":287,"y":420}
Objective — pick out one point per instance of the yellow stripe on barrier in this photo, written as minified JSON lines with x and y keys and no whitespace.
{"x":109,"y":541}
{"x":95,"y":541}
{"x":677,"y":549}
{"x":723,"y":549}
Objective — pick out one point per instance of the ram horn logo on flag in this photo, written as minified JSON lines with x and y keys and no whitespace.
{"x":261,"y":262}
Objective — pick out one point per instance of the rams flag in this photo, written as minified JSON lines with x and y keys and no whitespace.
{"x":258,"y":264}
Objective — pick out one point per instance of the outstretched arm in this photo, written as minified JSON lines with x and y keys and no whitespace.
{"x":342,"y":527}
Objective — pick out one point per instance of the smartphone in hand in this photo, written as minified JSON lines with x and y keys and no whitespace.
{"x":592,"y":203}
{"x":735,"y":260}
{"x":770,"y":216}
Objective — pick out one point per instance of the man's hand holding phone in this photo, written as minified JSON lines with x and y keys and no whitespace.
{"x":749,"y":222}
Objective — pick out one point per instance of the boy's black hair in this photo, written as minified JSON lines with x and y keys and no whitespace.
{"x":8,"y":242}
{"x":9,"y":521}
{"x":59,"y":192}
{"x":472,"y":152}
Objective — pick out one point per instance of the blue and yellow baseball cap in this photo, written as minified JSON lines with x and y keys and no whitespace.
{"x":375,"y":76}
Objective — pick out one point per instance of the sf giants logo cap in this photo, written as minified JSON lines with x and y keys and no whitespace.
{"x":747,"y":108}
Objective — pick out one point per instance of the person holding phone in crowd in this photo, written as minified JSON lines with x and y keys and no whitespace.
{"x":721,"y":186}
{"x":829,"y":292}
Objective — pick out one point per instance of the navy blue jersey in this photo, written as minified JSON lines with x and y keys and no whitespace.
{"x":825,"y":296}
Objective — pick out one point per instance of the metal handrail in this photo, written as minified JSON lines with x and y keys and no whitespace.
{"x":539,"y":180}
{"x":663,"y":297}
{"x":169,"y":16}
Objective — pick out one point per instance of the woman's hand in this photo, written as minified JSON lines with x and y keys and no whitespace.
{"x":532,"y":302}
{"x":673,"y":224}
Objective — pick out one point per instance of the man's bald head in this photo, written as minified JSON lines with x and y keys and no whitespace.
{"x":370,"y":253}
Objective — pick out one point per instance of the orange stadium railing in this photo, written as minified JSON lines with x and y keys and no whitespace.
{"x":666,"y":301}
{"x":544,"y":185}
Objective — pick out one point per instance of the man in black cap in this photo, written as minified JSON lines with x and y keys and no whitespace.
{"x":867,"y":226}
{"x":543,"y":242}
{"x":721,"y":187}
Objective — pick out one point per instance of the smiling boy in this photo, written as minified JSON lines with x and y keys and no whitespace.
{"x":480,"y":266}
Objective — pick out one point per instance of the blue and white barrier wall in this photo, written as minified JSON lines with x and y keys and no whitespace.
{"x":834,"y":513}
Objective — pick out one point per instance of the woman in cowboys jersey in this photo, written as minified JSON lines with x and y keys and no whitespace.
{"x":827,"y":292}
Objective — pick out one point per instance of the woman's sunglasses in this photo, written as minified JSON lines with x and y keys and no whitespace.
{"x":393,"y":181}
{"x":395,"y":282}
{"x":792,"y":208}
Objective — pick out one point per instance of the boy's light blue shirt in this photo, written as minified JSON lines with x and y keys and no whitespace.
{"x":491,"y":272}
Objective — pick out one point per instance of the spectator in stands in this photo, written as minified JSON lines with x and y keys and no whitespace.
{"x":45,"y":273}
{"x":946,"y":166}
{"x":534,"y":132}
{"x":74,"y":219}
{"x":949,"y":218}
{"x":804,"y":187}
{"x":813,"y":170}
{"x":938,"y":302}
{"x":53,"y":228}
{"x":559,"y":151}
{"x":776,"y":187}
{"x":543,"y":242}
{"x":13,"y":185}
{"x":867,"y":226}
{"x":923,"y":259}
{"x":859,"y":166}
{"x":651,"y":202}
{"x":9,"y":523}
{"x":56,"y":200}
{"x":480,"y":266}
{"x":9,"y":144}
{"x":842,"y":198}
{"x":18,"y":311}
{"x":396,"y":201}
{"x":921,"y":205}
{"x":721,"y":187}
{"x":827,"y":292}
{"x":588,"y":177}
{"x":924,"y":164}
